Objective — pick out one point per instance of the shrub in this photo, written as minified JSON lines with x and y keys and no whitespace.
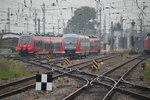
{"x":10,"y":69}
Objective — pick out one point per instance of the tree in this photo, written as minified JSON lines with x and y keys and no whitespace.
{"x":82,"y":22}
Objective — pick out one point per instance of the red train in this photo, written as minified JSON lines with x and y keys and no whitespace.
{"x":76,"y":45}
{"x":147,"y":44}
{"x":72,"y":45}
{"x":80,"y":45}
{"x":32,"y":44}
{"x":95,"y":47}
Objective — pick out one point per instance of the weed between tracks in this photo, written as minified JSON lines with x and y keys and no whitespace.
{"x":146,"y":71}
{"x":11,"y":69}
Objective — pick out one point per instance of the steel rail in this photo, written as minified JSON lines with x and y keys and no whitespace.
{"x":106,"y":97}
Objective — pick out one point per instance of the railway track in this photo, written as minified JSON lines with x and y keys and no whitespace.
{"x":62,"y":87}
{"x":22,"y":85}
{"x":111,"y":84}
{"x":27,"y":83}
{"x":136,"y":91}
{"x":89,"y":62}
{"x":104,"y":84}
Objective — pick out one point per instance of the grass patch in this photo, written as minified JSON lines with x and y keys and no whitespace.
{"x":147,"y":61}
{"x":11,"y":69}
{"x":146,"y":71}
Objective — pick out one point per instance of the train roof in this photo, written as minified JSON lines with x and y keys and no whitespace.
{"x":70,"y":35}
{"x":74,"y":35}
{"x":94,"y":39}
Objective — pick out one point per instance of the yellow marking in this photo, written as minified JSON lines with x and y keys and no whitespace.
{"x":67,"y":60}
{"x":95,"y":64}
{"x":48,"y":57}
{"x":58,"y":78}
{"x":54,"y":86}
{"x":95,"y":67}
{"x":129,"y":68}
{"x":37,"y":56}
{"x":101,"y":63}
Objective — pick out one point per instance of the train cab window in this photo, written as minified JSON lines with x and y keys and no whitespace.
{"x":38,"y":43}
{"x":25,"y":39}
{"x":70,"y":40}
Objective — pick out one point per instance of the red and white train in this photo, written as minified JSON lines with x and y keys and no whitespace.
{"x":147,"y":44}
{"x":76,"y":45}
{"x":80,"y":45}
{"x":95,"y":47}
{"x":72,"y":45}
{"x":43,"y":45}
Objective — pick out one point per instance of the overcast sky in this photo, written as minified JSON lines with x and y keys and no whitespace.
{"x":126,"y":8}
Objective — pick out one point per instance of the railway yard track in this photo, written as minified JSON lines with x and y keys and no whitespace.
{"x":79,"y":81}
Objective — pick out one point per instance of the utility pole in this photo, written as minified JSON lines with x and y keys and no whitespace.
{"x":104,"y":29}
{"x":112,"y":36}
{"x":141,"y":32}
{"x":71,"y":11}
{"x":38,"y":26}
{"x":58,"y":25}
{"x":27,"y":24}
{"x":97,"y":31}
{"x":100,"y":14}
{"x":122,"y":38}
{"x":54,"y":29}
{"x":43,"y":9}
{"x":141,"y":19}
{"x":8,"y":20}
{"x":63,"y":25}
{"x":35,"y":21}
{"x":98,"y":17}
{"x":132,"y":36}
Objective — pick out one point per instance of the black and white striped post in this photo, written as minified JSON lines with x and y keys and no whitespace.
{"x":44,"y":82}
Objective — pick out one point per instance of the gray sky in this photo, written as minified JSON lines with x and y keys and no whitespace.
{"x":126,"y":8}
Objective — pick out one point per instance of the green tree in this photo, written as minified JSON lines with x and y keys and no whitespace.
{"x":82,"y":22}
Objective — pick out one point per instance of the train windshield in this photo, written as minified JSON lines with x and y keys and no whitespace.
{"x":70,"y":40}
{"x":25,"y":39}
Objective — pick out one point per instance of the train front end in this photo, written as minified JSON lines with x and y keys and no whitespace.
{"x":70,"y":44}
{"x":24,"y":45}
